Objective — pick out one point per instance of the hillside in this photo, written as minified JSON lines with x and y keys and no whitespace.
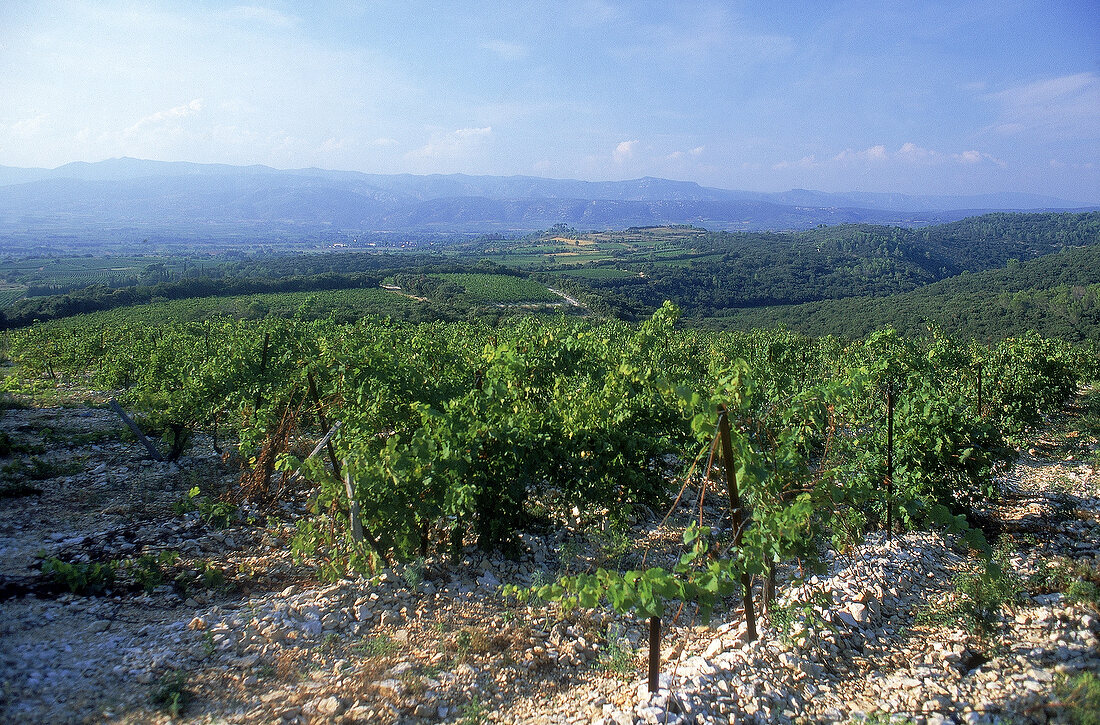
{"x":1055,"y":295}
{"x":713,"y":273}
{"x":211,"y":586}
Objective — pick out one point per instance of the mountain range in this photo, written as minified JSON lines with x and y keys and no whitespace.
{"x":215,"y":200}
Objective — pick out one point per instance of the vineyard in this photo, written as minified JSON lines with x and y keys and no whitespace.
{"x":502,"y":289}
{"x":467,"y":431}
{"x":418,"y":442}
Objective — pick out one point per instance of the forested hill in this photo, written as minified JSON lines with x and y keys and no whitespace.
{"x":720,"y":271}
{"x":1057,"y":295}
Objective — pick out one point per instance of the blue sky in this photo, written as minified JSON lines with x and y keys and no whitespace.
{"x":914,"y":97}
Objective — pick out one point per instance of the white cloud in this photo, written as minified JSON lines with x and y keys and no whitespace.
{"x":257,"y":14}
{"x":976,"y":157}
{"x":624,"y":151}
{"x":806,"y":162}
{"x":908,"y":153}
{"x":28,"y":126}
{"x":693,"y":153}
{"x":187,"y":109}
{"x":384,"y":142}
{"x":874,"y":153}
{"x":1063,"y":107}
{"x":455,"y":143}
{"x":505,"y":49}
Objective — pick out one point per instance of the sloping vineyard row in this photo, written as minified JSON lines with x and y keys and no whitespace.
{"x":458,"y":432}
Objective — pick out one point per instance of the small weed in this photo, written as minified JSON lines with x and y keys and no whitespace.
{"x":329,"y":642}
{"x":1083,"y":592}
{"x":798,"y":621}
{"x":1079,"y":697}
{"x":1078,"y":580}
{"x":85,"y":578}
{"x":979,"y":596}
{"x":186,"y":504}
{"x":148,"y":570}
{"x":618,"y":657}
{"x":462,"y":643}
{"x":206,"y":576}
{"x":614,"y":542}
{"x":472,"y":713}
{"x":883,"y":718}
{"x":37,"y":468}
{"x":568,"y":554}
{"x":377,"y":646}
{"x":414,"y":574}
{"x":208,"y":646}
{"x":540,"y":579}
{"x":219,"y":514}
{"x":172,"y":693}
{"x":212,"y":576}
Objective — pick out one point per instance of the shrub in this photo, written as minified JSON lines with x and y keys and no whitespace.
{"x":85,"y":578}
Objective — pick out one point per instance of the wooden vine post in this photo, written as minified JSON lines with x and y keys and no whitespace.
{"x":739,"y":521}
{"x":324,"y":424}
{"x":353,"y":507}
{"x":153,"y":452}
{"x":654,"y":654}
{"x":889,"y":461}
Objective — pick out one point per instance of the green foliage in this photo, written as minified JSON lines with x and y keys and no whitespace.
{"x":473,"y":712}
{"x":413,"y":574}
{"x":148,"y":570}
{"x":1078,"y":580}
{"x":799,"y":621}
{"x":482,"y":432}
{"x":217,"y":513}
{"x":171,"y":693}
{"x":618,"y":658}
{"x":979,"y":597}
{"x":205,"y":576}
{"x":1079,"y":697}
{"x":695,"y":578}
{"x":380,"y":645}
{"x":1083,"y":592}
{"x":37,"y":468}
{"x":86,"y":578}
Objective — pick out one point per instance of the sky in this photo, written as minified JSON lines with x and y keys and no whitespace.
{"x":928,"y":97}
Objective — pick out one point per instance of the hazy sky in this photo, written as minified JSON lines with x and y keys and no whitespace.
{"x":915,"y":97}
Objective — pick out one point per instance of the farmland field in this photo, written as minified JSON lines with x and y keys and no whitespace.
{"x":502,"y":288}
{"x":347,"y":304}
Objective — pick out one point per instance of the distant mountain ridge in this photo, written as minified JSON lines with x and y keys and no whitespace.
{"x":224,"y":200}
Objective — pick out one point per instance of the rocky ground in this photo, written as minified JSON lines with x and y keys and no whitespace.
{"x":209,"y":619}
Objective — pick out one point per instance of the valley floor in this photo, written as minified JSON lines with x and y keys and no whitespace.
{"x":233,"y":630}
